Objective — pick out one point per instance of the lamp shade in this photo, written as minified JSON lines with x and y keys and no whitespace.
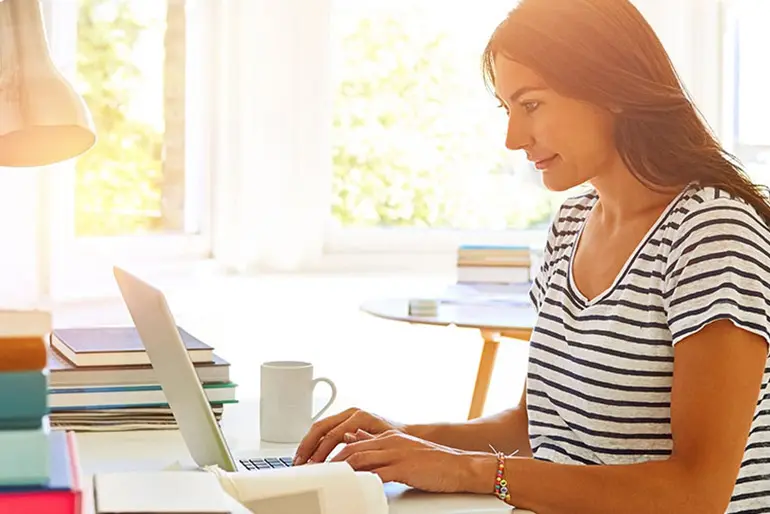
{"x":43,"y":120}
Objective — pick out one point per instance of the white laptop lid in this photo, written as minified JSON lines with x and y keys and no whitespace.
{"x":175,"y":371}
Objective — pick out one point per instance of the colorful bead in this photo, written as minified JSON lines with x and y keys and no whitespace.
{"x":501,"y":484}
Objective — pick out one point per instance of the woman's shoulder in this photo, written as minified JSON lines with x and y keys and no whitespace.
{"x":718,"y":224}
{"x":574,"y":209}
{"x":703,"y":207}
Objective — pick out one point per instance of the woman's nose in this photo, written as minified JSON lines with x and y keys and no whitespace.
{"x":518,"y":136}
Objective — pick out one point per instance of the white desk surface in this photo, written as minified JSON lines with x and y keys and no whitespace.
{"x":155,"y":450}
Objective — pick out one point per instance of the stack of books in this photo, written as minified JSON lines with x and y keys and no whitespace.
{"x":38,"y":465}
{"x":101,"y":379}
{"x":490,"y":264}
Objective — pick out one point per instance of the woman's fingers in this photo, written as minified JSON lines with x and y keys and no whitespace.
{"x":364,"y":442}
{"x":352,"y":448}
{"x":309,"y":444}
{"x":359,"y":435}
{"x":371,"y":459}
{"x":389,"y":473}
{"x":334,"y":437}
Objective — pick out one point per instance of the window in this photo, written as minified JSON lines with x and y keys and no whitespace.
{"x":418,"y":143}
{"x":746,"y":86}
{"x":141,"y":193}
{"x":131,"y":73}
{"x":418,"y":140}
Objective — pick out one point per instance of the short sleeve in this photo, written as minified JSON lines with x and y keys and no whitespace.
{"x":539,"y":283}
{"x":719,"y":268}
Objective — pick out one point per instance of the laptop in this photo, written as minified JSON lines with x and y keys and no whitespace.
{"x":177,"y":377}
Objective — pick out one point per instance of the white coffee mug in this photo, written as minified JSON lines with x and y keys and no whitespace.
{"x":286,"y":400}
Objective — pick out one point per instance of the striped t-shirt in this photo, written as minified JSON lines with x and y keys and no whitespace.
{"x":600,"y":370}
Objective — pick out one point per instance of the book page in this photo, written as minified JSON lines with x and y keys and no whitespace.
{"x":307,"y":502}
{"x":339,"y":489}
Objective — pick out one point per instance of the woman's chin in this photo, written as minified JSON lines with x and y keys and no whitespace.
{"x":556,"y":182}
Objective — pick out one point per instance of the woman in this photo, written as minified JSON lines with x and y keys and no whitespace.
{"x":647,"y":373}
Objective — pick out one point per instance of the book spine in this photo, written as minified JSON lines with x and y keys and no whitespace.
{"x":64,"y":400}
{"x":76,"y":473}
{"x":24,"y":457}
{"x":21,"y":423}
{"x":23,"y":397}
{"x":498,"y":275}
{"x":25,"y":323}
{"x":501,"y":263}
{"x":43,"y":502}
{"x":23,"y":354}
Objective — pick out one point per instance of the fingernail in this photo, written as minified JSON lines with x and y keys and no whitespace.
{"x":349,"y":438}
{"x":309,"y":461}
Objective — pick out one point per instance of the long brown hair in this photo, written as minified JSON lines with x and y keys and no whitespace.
{"x":604,"y":52}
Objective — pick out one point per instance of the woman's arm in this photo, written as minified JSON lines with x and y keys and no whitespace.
{"x":506,"y":431}
{"x":717,"y":377}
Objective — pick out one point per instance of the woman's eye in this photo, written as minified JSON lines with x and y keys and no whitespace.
{"x":530,"y":107}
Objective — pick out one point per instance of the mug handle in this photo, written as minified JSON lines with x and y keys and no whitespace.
{"x":314,"y":383}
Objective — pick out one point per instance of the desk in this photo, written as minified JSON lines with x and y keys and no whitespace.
{"x":493,"y":320}
{"x":154,"y":450}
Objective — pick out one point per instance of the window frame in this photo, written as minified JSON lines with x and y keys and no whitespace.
{"x":75,"y":267}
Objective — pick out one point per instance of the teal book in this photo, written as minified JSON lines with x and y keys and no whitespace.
{"x":119,"y":396}
{"x":21,"y":424}
{"x":24,"y":456}
{"x":23,"y":397}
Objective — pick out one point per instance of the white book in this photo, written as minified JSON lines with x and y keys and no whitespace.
{"x":493,"y":274}
{"x":25,"y":323}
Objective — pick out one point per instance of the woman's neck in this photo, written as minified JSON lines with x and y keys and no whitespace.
{"x":622,"y":197}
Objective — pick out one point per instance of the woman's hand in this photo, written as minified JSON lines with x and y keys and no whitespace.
{"x":398,"y":457}
{"x":326,"y":434}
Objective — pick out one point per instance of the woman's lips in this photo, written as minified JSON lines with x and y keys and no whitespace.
{"x":544,"y":163}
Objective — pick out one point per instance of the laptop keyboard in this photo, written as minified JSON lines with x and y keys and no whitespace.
{"x":266,"y":463}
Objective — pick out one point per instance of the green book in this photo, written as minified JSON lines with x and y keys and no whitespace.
{"x":23,"y":398}
{"x":24,"y":456}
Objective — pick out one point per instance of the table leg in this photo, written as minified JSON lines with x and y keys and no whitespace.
{"x":484,"y":374}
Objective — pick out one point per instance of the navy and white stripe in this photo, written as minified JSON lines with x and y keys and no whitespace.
{"x":600,"y":370}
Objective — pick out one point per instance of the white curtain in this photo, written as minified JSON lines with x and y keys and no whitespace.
{"x":691,"y":32}
{"x":271,"y":146}
{"x":24,"y":230}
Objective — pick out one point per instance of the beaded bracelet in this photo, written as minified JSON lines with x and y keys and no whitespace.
{"x":501,"y":484}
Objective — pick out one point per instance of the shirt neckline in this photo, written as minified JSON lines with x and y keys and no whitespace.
{"x":572,"y":285}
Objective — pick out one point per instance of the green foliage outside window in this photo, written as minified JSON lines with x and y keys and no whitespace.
{"x":411,"y":146}
{"x":117,"y":187}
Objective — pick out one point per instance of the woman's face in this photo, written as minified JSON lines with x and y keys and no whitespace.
{"x":569,"y":141}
